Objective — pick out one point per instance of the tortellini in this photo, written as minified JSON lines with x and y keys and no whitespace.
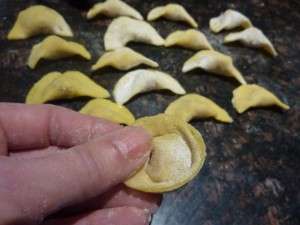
{"x":177,"y":155}
{"x":252,"y":37}
{"x":139,"y":81}
{"x":124,"y":29}
{"x":54,"y":47}
{"x":173,"y":12}
{"x":106,"y":109}
{"x":113,"y":8}
{"x":39,"y":19}
{"x":191,"y":38}
{"x":122,"y":59}
{"x":71,"y":84}
{"x":252,"y":95}
{"x":228,"y":20}
{"x":214,"y":62}
{"x":192,"y":106}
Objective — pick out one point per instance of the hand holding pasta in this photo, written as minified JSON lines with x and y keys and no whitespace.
{"x":50,"y":154}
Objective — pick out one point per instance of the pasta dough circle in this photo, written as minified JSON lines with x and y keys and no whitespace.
{"x":177,"y":155}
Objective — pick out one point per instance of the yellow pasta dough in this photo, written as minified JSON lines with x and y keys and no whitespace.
{"x":106,"y":109}
{"x":71,"y":84}
{"x":177,"y":155}
{"x":122,"y":58}
{"x":39,"y":19}
{"x":54,"y":47}
{"x":193,"y":105}
{"x":191,"y":38}
{"x":113,"y":8}
{"x":173,"y":12}
{"x":253,"y":95}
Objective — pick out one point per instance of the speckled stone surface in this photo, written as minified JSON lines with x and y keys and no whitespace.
{"x":251,"y":174}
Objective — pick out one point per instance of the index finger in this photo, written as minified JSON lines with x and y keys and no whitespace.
{"x":34,"y":126}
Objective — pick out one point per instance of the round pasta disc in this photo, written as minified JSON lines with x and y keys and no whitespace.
{"x":177,"y":155}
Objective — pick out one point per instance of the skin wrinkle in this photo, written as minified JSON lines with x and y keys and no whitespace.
{"x":4,"y":133}
{"x":53,"y":127}
{"x":124,"y":148}
{"x":79,"y":137}
{"x":114,"y":153}
{"x":82,"y":134}
{"x":92,"y":168}
{"x":32,"y":140}
{"x":89,"y":164}
{"x":11,"y":115}
{"x":36,"y":153}
{"x":14,"y":138}
{"x":93,"y":131}
{"x":3,"y":141}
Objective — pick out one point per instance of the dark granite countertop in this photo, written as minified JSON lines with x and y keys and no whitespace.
{"x":251,"y":174}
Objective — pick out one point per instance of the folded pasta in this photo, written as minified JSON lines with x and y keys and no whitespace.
{"x":71,"y":84}
{"x":39,"y":19}
{"x":177,"y":155}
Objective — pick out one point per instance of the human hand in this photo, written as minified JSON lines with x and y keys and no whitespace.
{"x":60,"y":167}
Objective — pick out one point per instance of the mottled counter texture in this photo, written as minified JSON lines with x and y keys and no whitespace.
{"x":251,"y":174}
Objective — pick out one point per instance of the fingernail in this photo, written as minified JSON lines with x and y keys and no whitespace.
{"x":133,"y":142}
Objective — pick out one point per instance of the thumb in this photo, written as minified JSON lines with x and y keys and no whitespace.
{"x":76,"y":174}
